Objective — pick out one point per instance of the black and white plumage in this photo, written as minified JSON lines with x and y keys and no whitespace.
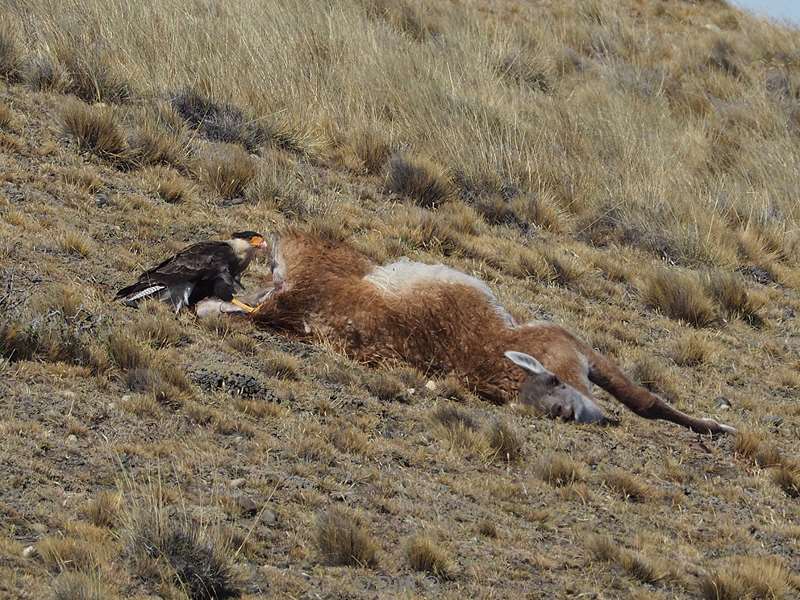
{"x":202,"y":270}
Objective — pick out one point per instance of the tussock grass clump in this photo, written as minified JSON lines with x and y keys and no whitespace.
{"x":67,"y":554}
{"x":85,"y":178}
{"x":646,"y":569}
{"x":749,"y":577}
{"x":691,"y":349}
{"x":151,"y":145}
{"x":407,"y":17}
{"x":566,"y":268}
{"x":751,"y":445}
{"x":370,"y":149}
{"x":730,"y":293}
{"x":103,"y":510}
{"x":10,"y":53}
{"x":95,"y":129}
{"x":453,"y":417}
{"x":386,"y":387}
{"x":541,"y":210}
{"x":343,"y":540}
{"x":559,"y":470}
{"x":171,"y":187}
{"x":218,"y":121}
{"x":126,"y":352}
{"x":452,"y":388}
{"x":461,"y":432}
{"x":419,"y":179}
{"x":424,"y":554}
{"x":228,"y":170}
{"x":6,"y":116}
{"x":43,"y":73}
{"x":75,"y":243}
{"x":93,"y":73}
{"x":488,"y":529}
{"x":80,"y":586}
{"x":627,"y":485}
{"x":280,"y":364}
{"x":351,"y":440}
{"x":193,"y":557}
{"x":505,"y":442}
{"x":787,"y":477}
{"x":679,"y":296}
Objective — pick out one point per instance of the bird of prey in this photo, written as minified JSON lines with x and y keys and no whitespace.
{"x":202,"y":270}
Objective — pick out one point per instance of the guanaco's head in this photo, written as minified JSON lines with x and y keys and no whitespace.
{"x":543,"y":390}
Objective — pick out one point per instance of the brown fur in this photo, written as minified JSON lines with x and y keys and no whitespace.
{"x":437,"y":327}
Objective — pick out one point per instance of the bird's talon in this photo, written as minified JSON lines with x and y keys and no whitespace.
{"x":245,"y":307}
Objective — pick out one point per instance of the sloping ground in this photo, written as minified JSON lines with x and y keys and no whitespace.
{"x":144,"y":454}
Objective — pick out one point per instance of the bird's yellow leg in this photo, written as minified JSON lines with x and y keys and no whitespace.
{"x":245,"y":307}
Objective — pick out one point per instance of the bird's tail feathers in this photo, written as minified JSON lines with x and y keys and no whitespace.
{"x":133,"y":294}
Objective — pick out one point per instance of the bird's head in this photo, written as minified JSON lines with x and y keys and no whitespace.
{"x":255,"y":239}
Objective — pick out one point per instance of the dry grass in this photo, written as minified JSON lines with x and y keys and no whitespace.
{"x":678,"y":296}
{"x":67,"y":554}
{"x":74,"y":242}
{"x":560,"y":470}
{"x":577,"y":147}
{"x":275,"y":363}
{"x":342,"y":539}
{"x":6,"y":116}
{"x":747,"y":577}
{"x":10,"y":53}
{"x":691,"y":349}
{"x":751,"y":445}
{"x":787,"y":477}
{"x":228,"y":170}
{"x":43,"y":73}
{"x":95,"y":129}
{"x":103,"y":510}
{"x":421,"y":180}
{"x":424,"y":554}
{"x":650,"y":570}
{"x":386,"y":386}
{"x":80,"y":586}
{"x":505,"y":442}
{"x":729,"y":291}
{"x":627,"y":485}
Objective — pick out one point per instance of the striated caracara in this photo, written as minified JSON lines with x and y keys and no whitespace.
{"x":202,"y":270}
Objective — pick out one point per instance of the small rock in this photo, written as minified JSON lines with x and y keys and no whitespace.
{"x":268,"y":517}
{"x":722,"y":403}
{"x":246,"y":505}
{"x":410,"y":391}
{"x":430,"y":386}
{"x":237,"y":483}
{"x":72,"y":438}
{"x":773,"y":420}
{"x":101,"y":200}
{"x":29,"y":552}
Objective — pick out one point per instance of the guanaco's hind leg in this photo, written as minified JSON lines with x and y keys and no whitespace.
{"x":644,"y":403}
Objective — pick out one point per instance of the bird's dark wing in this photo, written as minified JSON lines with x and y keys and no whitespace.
{"x":195,"y":262}
{"x":224,"y":284}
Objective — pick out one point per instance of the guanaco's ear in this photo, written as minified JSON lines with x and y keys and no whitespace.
{"x":526,"y":362}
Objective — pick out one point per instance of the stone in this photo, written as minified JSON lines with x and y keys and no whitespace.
{"x":773,"y":420}
{"x":237,"y":483}
{"x":247,"y":505}
{"x":430,"y":386}
{"x":722,"y":403}
{"x":72,"y":438}
{"x":29,"y":552}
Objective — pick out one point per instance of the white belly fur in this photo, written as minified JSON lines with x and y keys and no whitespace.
{"x":400,"y":276}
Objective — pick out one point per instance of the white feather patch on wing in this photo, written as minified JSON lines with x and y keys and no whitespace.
{"x":145,"y":292}
{"x":398,"y":277}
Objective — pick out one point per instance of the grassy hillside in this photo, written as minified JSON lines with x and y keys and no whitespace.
{"x":627,"y":169}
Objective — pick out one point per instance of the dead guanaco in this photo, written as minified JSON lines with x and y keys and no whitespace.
{"x":441,"y":320}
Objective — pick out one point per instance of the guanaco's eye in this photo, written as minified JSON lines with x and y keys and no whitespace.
{"x":553,"y":380}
